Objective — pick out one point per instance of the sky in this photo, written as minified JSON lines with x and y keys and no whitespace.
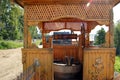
{"x":116,"y":13}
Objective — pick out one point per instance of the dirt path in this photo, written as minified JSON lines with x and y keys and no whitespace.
{"x":10,"y":64}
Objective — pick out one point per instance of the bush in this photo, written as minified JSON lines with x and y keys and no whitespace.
{"x":10,"y":44}
{"x":117,"y":63}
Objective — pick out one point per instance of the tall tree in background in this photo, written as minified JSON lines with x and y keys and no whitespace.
{"x":11,"y":21}
{"x":117,"y":37}
{"x":100,"y":37}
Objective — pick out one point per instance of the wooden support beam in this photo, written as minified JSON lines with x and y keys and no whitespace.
{"x":25,"y":29}
{"x":80,"y":50}
{"x":111,"y":29}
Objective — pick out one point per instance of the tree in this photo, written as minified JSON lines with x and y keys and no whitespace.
{"x":11,"y":21}
{"x":117,"y":38}
{"x":100,"y":37}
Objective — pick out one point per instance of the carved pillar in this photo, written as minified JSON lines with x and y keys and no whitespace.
{"x":29,"y":40}
{"x":87,"y":42}
{"x":25,"y":29}
{"x":87,"y":39}
{"x":80,"y":54}
{"x":83,"y":35}
{"x":43,"y":39}
{"x":111,"y":29}
{"x":107,"y":39}
{"x":41,"y":25}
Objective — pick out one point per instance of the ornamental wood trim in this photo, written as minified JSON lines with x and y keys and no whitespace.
{"x":43,"y":12}
{"x":98,"y":63}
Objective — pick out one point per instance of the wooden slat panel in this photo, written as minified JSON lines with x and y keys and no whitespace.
{"x":60,"y":51}
{"x":98,"y":64}
{"x":45,"y":58}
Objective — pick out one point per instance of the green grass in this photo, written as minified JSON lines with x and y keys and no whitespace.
{"x":10,"y":44}
{"x":117,"y":63}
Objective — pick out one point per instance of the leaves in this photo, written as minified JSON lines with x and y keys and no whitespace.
{"x":11,"y":21}
{"x":100,"y":37}
{"x":117,"y":37}
{"x":117,"y":63}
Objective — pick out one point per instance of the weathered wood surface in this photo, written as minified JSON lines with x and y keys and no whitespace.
{"x":98,"y":64}
{"x":60,"y":51}
{"x":45,"y":57}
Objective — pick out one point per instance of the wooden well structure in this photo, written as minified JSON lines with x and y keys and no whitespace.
{"x":76,"y":15}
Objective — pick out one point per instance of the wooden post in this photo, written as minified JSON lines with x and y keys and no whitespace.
{"x":111,"y":29}
{"x":107,"y":39}
{"x":87,"y":39}
{"x":83,"y":35}
{"x":25,"y":28}
{"x":43,"y":39}
{"x":80,"y":55}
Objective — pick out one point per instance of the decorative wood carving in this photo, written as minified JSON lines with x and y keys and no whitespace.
{"x":99,"y":67}
{"x":112,"y":57}
{"x":43,"y":12}
{"x":24,"y":58}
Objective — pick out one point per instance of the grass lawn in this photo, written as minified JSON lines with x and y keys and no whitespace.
{"x":10,"y":44}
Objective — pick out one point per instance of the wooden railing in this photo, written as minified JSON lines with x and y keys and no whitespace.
{"x":31,"y":72}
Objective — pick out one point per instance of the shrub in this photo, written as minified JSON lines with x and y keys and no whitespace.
{"x":117,"y":63}
{"x":10,"y":44}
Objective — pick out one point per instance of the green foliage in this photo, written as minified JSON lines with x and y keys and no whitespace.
{"x":117,"y":34}
{"x":117,"y":63}
{"x":117,"y":37}
{"x":100,"y":37}
{"x":11,"y":21}
{"x":10,"y":44}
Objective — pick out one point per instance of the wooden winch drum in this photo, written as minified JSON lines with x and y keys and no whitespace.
{"x":62,"y":71}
